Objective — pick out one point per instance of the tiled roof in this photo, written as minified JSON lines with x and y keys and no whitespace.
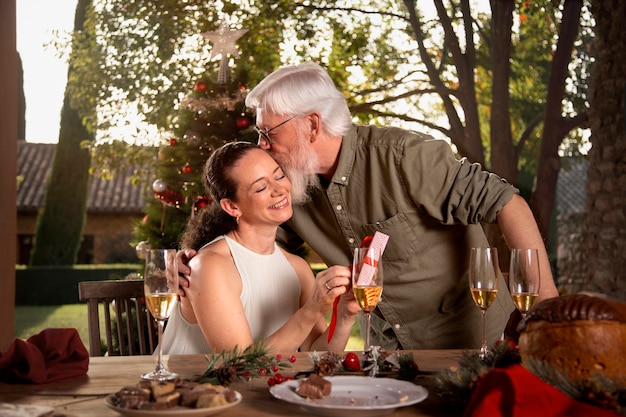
{"x":34,"y":164}
{"x":571,"y":186}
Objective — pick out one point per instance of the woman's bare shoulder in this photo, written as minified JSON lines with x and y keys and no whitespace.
{"x":214,"y":255}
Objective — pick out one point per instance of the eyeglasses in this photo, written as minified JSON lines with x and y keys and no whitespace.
{"x":265,"y":134}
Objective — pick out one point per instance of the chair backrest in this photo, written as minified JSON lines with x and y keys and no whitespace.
{"x":133,"y":327}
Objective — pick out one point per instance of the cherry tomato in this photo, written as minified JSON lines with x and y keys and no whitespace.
{"x":351,"y":362}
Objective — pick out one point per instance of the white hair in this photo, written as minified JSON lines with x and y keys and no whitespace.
{"x":300,"y":90}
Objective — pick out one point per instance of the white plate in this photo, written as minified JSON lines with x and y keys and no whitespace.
{"x":177,"y":411}
{"x":355,"y":396}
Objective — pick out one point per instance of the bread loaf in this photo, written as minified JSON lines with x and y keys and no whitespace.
{"x":579,"y":336}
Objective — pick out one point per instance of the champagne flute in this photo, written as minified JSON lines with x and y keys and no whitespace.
{"x":367,"y":283}
{"x":524,"y":278}
{"x":160,"y":287}
{"x":483,"y":281}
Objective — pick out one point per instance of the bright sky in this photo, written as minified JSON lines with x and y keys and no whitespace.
{"x":44,"y":73}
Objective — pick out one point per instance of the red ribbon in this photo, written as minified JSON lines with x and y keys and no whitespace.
{"x":333,"y":318}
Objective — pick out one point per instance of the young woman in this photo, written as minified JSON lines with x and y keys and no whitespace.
{"x":246,"y":287}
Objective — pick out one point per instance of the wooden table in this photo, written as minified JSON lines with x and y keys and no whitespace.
{"x":84,"y":396}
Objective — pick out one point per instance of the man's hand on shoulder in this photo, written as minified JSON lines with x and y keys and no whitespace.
{"x":183,"y":257}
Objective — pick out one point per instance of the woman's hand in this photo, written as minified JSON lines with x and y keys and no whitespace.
{"x":329,"y":284}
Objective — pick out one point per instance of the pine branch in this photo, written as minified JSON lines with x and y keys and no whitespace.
{"x":229,"y":366}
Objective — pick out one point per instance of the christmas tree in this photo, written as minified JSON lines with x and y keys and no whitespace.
{"x":212,"y":114}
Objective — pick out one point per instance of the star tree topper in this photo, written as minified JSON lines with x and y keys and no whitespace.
{"x":223,"y":40}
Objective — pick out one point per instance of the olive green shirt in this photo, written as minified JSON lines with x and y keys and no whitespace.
{"x":412,"y":188}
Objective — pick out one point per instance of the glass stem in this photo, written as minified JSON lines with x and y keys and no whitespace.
{"x":367,"y":332}
{"x":483,"y":348}
{"x":159,"y":366}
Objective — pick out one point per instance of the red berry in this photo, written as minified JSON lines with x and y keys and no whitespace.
{"x":271,"y":381}
{"x":262,"y":371}
{"x":275,"y":368}
{"x":351,"y":362}
{"x":292,"y":358}
{"x":279,"y":356}
{"x":288,"y":378}
{"x":279,"y":378}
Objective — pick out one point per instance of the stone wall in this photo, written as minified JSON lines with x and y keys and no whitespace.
{"x":571,"y":268}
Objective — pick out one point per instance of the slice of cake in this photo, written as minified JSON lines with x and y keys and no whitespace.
{"x":314,"y":387}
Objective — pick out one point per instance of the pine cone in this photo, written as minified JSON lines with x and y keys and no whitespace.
{"x":327,"y":364}
{"x":226,"y":375}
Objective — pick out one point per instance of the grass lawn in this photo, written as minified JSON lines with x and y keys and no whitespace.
{"x":30,"y":320}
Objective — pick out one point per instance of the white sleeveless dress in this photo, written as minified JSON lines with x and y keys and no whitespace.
{"x":270,"y":296}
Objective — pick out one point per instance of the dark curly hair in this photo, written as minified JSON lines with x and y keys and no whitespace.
{"x":213,"y":221}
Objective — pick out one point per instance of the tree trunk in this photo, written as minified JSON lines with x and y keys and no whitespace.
{"x":605,"y":212}
{"x":555,"y":128}
{"x":503,"y":157}
{"x":60,"y":224}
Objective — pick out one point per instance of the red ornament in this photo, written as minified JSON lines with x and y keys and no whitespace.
{"x":173,"y":142}
{"x":187,"y":168}
{"x":200,"y":203}
{"x":200,"y":87}
{"x":170,"y":197}
{"x":351,"y":362}
{"x":242,"y":122}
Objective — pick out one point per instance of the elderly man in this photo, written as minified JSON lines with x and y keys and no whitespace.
{"x":349,"y":181}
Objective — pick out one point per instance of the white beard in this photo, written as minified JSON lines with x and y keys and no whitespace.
{"x":301,"y":168}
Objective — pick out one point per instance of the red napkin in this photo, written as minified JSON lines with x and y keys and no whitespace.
{"x":516,"y":392}
{"x":48,"y":356}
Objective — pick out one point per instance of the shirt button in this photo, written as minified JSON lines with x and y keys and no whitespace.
{"x":339,"y":207}
{"x":351,"y":240}
{"x":397,"y":326}
{"x":343,"y":179}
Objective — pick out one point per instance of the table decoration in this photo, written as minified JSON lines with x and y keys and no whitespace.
{"x":462,"y":385}
{"x":388,"y":364}
{"x":254,"y":361}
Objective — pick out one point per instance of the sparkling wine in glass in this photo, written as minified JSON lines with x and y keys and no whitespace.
{"x":524,"y":278}
{"x":160,"y":288}
{"x":367,"y":283}
{"x":483,"y":281}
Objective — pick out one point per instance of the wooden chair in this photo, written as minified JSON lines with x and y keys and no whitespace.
{"x":133,"y":325}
